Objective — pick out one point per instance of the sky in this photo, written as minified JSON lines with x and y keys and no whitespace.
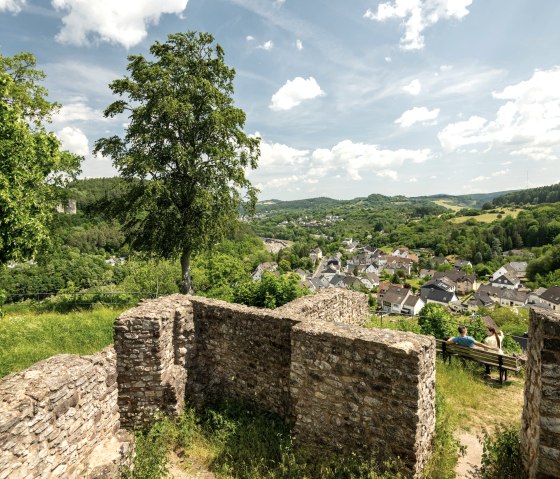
{"x":350,"y":98}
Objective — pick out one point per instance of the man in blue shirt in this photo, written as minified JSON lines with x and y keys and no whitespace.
{"x":467,"y":341}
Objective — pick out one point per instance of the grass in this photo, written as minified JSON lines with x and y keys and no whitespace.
{"x":27,"y":336}
{"x":476,"y":402}
{"x":488,"y":217}
{"x":449,"y":205}
{"x":237,"y":440}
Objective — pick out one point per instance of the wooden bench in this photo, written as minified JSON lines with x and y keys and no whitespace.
{"x":503,"y":362}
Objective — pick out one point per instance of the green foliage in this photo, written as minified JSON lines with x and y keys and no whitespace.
{"x":247,"y":443}
{"x":446,"y":448}
{"x":270,"y":292}
{"x":435,"y":320}
{"x":32,"y":167}
{"x":543,"y":194}
{"x":501,"y":456}
{"x":151,"y":448}
{"x":184,"y":155}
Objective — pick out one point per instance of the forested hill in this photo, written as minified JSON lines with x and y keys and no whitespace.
{"x":543,"y":194}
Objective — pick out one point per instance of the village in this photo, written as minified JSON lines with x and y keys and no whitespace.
{"x":405,"y":280}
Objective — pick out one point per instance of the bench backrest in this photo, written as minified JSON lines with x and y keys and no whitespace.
{"x":480,"y":355}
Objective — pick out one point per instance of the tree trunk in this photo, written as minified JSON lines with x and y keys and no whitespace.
{"x":186,"y":281}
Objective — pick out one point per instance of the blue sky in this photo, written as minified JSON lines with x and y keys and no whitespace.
{"x":350,"y":98}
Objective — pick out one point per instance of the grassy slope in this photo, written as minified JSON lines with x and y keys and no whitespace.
{"x":27,"y":337}
{"x":488,"y":217}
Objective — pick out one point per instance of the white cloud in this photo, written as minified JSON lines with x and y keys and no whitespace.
{"x":293,"y":92}
{"x":536,"y":153}
{"x":299,"y":44}
{"x":14,"y":6}
{"x":74,"y":140}
{"x":249,"y":38}
{"x":529,"y":120}
{"x":414,"y":87}
{"x":124,"y":22}
{"x":392,"y":174}
{"x":279,"y":3}
{"x":269,"y":45}
{"x":346,"y":159}
{"x":413,"y":180}
{"x":418,"y":15}
{"x":417,"y":115}
{"x":388,"y":59}
{"x":480,"y":178}
{"x":77,"y":110}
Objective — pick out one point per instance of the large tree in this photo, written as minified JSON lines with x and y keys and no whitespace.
{"x":33,"y":169}
{"x":184,"y":154}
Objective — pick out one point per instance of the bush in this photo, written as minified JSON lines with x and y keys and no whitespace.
{"x":435,"y":320}
{"x":501,"y":456}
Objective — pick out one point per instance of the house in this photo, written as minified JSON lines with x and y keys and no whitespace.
{"x":516,"y":269}
{"x":352,"y":282}
{"x":373,"y":278}
{"x":383,"y":288}
{"x":316,"y":255}
{"x":464,"y":283}
{"x":506,"y":280}
{"x":334,"y":262}
{"x":551,"y":297}
{"x":426,"y":273}
{"x":439,"y":261}
{"x":401,"y":252}
{"x":442,"y":284}
{"x":433,"y":295}
{"x":412,"y":305}
{"x":262,"y":268}
{"x":394,"y":299}
{"x":302,"y":273}
{"x":504,"y":296}
{"x":368,"y":282}
{"x":396,"y":263}
{"x":535,"y":299}
{"x":462,"y":263}
{"x":478,"y":300}
{"x":337,"y":281}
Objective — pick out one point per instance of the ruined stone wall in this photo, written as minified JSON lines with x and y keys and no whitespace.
{"x":54,"y":415}
{"x":339,"y":385}
{"x":364,"y":389}
{"x":241,"y":352}
{"x":540,"y":433}
{"x":332,"y":305}
{"x":152,"y":344}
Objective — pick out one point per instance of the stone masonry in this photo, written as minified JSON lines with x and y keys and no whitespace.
{"x":56,"y":415}
{"x":340,"y":385}
{"x":364,"y":389}
{"x":540,"y":433}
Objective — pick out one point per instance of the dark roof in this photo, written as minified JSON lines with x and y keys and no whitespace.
{"x":395,"y":295}
{"x":436,"y":295}
{"x":552,"y":295}
{"x":456,"y":276}
{"x":412,"y":300}
{"x":440,"y":284}
{"x":510,"y":278}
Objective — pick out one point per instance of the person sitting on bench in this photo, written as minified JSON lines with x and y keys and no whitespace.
{"x":467,"y":341}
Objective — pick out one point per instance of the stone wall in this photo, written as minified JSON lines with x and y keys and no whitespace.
{"x":540,"y":433}
{"x":340,"y":385}
{"x":56,"y":415}
{"x":241,"y":352}
{"x":364,"y":389}
{"x":152,"y":344}
{"x":332,"y":305}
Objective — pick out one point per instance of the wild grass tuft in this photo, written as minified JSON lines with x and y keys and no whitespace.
{"x":27,"y":336}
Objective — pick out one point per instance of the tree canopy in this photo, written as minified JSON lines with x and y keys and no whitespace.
{"x":32,"y":167}
{"x":184,"y":154}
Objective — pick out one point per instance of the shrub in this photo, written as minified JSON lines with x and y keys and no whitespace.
{"x":435,"y":320}
{"x":501,"y":456}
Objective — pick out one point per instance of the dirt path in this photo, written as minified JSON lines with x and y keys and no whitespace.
{"x":468,"y":465}
{"x":187,"y":469}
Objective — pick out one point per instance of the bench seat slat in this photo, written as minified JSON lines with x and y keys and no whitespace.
{"x":480,"y":355}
